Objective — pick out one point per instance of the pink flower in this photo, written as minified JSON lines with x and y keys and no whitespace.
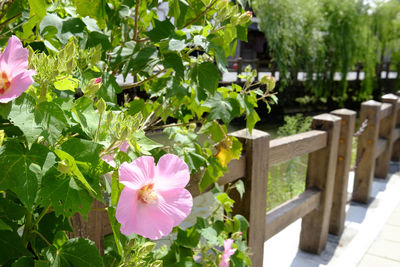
{"x":154,"y":199}
{"x":109,"y":158}
{"x":15,"y":77}
{"x":228,"y":252}
{"x":98,"y":80}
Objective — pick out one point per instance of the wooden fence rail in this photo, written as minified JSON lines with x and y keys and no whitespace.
{"x":322,"y":205}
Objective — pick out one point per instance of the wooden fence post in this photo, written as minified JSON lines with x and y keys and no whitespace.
{"x":321,"y":175}
{"x":93,"y":229}
{"x":338,"y":213}
{"x":367,"y":141}
{"x":254,"y":202}
{"x":386,"y":130}
{"x":396,"y":145}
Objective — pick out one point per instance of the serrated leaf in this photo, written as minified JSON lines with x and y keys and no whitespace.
{"x":82,"y":150}
{"x":85,"y":114}
{"x":161,"y":30}
{"x":74,"y":168}
{"x":222,"y":109}
{"x":67,"y":83}
{"x":22,"y":116}
{"x":77,"y":252}
{"x":11,"y":246}
{"x":174,"y":61}
{"x":207,"y":75}
{"x":210,"y":235}
{"x":225,"y":201}
{"x":17,"y":174}
{"x":52,"y":120}
{"x":4,"y":226}
{"x":64,"y":194}
{"x":176,"y":45}
{"x":188,"y":238}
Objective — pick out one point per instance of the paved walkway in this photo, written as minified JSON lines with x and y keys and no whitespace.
{"x":385,"y":250}
{"x":371,"y":236}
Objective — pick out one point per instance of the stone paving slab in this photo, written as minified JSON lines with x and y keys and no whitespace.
{"x":363,"y":225}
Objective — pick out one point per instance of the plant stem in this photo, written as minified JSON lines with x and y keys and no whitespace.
{"x":27,"y":228}
{"x":201,"y":14}
{"x":135,"y":33}
{"x":44,"y":212}
{"x":42,"y":237}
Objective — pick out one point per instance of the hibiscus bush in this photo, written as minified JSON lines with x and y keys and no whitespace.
{"x":86,"y":88}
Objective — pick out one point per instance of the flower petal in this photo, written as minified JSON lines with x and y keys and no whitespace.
{"x":177,"y":203}
{"x":139,"y":173}
{"x":151,"y":222}
{"x":171,"y":172}
{"x":126,"y":210}
{"x":124,"y":147}
{"x":14,"y":57}
{"x":109,"y":159}
{"x":19,"y":84}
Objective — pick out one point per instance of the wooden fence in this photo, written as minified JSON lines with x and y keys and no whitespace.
{"x":322,"y":205}
{"x":237,"y":65}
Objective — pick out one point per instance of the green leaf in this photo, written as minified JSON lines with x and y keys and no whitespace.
{"x":207,"y":75}
{"x":74,"y":168}
{"x":161,"y":30}
{"x":38,"y":7}
{"x":174,"y":61}
{"x":4,"y":226}
{"x":23,"y":262}
{"x":67,"y":83}
{"x":78,"y":252}
{"x":11,"y":210}
{"x":82,"y":150}
{"x":64,"y":194}
{"x":19,"y":174}
{"x":176,"y":45}
{"x":222,"y":109}
{"x":188,"y":238}
{"x":225,"y":201}
{"x":143,"y":58}
{"x":11,"y":246}
{"x":23,"y":117}
{"x":94,"y":9}
{"x":85,"y":114}
{"x":251,"y":120}
{"x":210,"y":235}
{"x":52,"y":119}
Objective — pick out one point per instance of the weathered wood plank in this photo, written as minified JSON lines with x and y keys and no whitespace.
{"x":386,"y":130}
{"x":386,"y":110}
{"x":254,"y":201}
{"x":288,"y":212}
{"x":396,"y":134}
{"x":381,"y":145}
{"x":286,"y":148}
{"x":338,"y":213}
{"x":396,"y":145}
{"x":367,"y":141}
{"x":321,"y":175}
{"x":236,"y":170}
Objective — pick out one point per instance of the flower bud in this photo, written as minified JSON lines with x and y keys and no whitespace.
{"x":236,"y":235}
{"x":245,"y":17}
{"x":269,"y":81}
{"x":101,"y":106}
{"x":63,"y":166}
{"x":92,"y":86}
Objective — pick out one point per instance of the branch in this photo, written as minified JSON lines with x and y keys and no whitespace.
{"x":133,"y":85}
{"x":135,"y":33}
{"x":201,"y":14}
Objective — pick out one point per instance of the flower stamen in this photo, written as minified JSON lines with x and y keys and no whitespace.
{"x":5,"y":83}
{"x":147,"y":194}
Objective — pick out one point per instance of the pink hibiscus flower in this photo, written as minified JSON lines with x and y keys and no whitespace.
{"x":154,"y":199}
{"x":15,"y":77}
{"x":228,"y":252}
{"x":109,"y":158}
